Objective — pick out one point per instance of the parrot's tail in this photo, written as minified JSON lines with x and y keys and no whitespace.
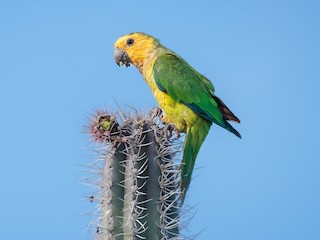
{"x":192,"y":143}
{"x":227,"y":116}
{"x":231,"y":129}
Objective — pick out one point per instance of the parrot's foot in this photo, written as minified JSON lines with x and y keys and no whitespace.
{"x":170,"y":129}
{"x":156,"y":112}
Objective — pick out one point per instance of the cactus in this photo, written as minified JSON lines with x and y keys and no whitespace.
{"x":139,"y":195}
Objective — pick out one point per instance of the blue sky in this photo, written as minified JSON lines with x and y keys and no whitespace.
{"x":56,"y":67}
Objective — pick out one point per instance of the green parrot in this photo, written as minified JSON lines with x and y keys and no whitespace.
{"x":186,"y":97}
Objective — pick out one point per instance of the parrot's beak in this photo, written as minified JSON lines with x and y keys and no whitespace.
{"x":121,"y":57}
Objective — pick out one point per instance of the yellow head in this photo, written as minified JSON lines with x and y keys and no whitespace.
{"x":135,"y":48}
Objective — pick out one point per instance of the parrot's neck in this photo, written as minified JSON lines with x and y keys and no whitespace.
{"x":150,"y":58}
{"x":147,"y":62}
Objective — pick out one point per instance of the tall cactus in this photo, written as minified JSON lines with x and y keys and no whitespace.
{"x":139,"y":181}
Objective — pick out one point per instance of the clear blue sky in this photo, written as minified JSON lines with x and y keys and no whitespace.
{"x":56,"y":67}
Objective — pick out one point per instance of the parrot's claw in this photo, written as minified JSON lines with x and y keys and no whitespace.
{"x":156,"y":112}
{"x":170,"y":129}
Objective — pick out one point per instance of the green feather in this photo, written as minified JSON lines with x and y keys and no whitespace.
{"x":191,"y":146}
{"x":182,"y":83}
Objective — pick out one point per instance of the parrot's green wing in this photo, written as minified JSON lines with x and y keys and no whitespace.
{"x":183,"y":84}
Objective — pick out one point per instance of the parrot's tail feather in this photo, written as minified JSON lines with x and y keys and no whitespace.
{"x":192,"y":143}
{"x":231,"y":129}
{"x":226,"y":113}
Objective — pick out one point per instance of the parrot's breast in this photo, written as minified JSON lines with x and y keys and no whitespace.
{"x":174,"y":112}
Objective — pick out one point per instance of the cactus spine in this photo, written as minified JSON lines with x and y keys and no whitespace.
{"x":139,"y":183}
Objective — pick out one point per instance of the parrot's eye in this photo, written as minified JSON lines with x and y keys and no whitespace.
{"x":130,"y":41}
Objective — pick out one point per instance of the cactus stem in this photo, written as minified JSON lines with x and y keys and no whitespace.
{"x":139,"y":188}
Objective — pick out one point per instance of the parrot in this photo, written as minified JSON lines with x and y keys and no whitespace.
{"x":186,"y":97}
